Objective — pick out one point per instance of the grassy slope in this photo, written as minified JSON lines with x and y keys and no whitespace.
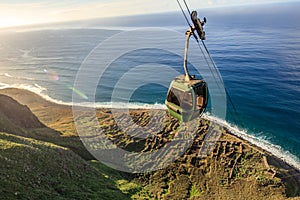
{"x":32,"y":169}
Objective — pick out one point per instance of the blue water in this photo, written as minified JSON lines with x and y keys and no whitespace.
{"x":257,"y":54}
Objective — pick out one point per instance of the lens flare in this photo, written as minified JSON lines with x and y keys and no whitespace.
{"x":76,"y":91}
{"x":53,"y":76}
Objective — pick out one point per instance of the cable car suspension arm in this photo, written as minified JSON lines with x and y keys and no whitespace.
{"x":198,"y":26}
{"x":188,"y":34}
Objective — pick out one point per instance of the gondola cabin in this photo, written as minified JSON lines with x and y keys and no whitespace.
{"x":187,"y":100}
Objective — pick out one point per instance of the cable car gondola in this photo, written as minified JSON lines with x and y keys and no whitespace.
{"x":187,"y":96}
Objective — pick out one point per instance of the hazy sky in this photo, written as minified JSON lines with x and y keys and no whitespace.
{"x":21,"y":12}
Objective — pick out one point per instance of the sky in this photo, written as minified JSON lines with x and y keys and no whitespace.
{"x":25,"y":12}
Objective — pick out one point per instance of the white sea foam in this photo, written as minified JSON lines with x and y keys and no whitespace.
{"x":16,"y":77}
{"x":122,"y":105}
{"x":37,"y":89}
{"x":156,"y":106}
{"x":3,"y":85}
{"x":8,"y":75}
{"x":47,"y":58}
{"x":26,"y":53}
{"x":40,"y":87}
{"x":243,"y":134}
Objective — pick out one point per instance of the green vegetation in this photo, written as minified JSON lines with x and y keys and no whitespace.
{"x":194,"y":192}
{"x":32,"y":169}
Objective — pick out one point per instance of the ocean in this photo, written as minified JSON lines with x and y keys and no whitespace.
{"x":256,"y":49}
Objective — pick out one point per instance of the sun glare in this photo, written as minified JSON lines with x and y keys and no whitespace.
{"x":29,"y":12}
{"x":12,"y":22}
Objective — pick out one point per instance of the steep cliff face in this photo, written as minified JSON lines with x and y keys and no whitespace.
{"x":15,"y":117}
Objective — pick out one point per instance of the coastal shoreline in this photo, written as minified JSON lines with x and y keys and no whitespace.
{"x":260,"y":144}
{"x":39,"y":105}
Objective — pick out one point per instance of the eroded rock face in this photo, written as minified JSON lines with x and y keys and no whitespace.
{"x":231,"y":169}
